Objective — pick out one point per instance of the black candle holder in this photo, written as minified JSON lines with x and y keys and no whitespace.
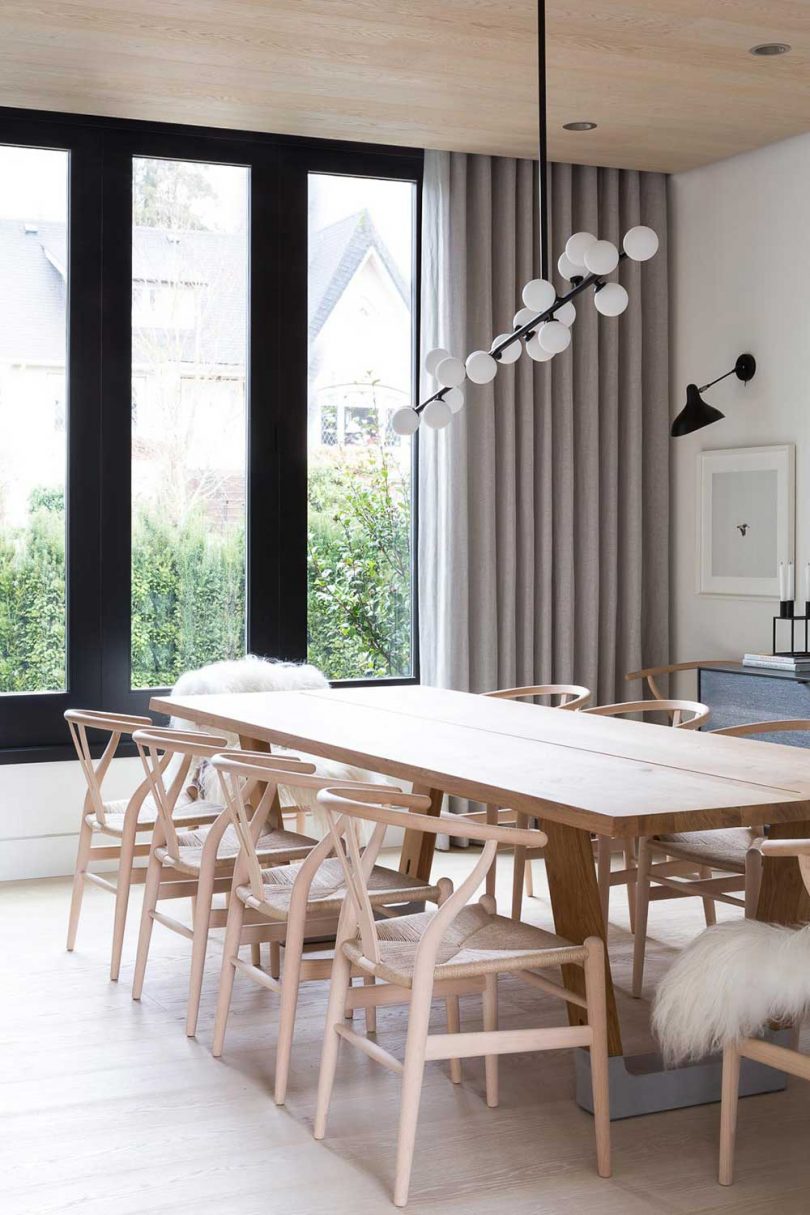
{"x":787,"y":613}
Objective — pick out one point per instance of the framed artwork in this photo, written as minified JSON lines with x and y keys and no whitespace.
{"x":746,"y":518}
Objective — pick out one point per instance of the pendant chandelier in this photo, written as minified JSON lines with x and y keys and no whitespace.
{"x":543,"y":324}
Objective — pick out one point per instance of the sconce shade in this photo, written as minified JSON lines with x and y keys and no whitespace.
{"x":695,"y":414}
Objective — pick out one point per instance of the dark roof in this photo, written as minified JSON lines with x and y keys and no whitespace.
{"x":32,"y":284}
{"x":335,"y":254}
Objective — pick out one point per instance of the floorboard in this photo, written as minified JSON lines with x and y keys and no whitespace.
{"x":106,"y":1106}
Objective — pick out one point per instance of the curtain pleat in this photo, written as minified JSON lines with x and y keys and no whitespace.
{"x":543,"y":523}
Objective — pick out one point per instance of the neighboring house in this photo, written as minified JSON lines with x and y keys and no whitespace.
{"x":189,"y":354}
{"x":359,"y":309}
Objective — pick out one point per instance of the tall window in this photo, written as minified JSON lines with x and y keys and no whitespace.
{"x":360,"y":291}
{"x":189,"y":358}
{"x":33,"y":405}
{"x":203,"y":337}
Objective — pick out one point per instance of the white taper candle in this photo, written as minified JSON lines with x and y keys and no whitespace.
{"x":782,"y":582}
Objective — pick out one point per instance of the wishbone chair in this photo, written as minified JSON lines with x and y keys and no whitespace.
{"x":460,"y":947}
{"x":683,"y":715}
{"x":119,"y":821}
{"x":286,"y":904}
{"x":199,"y":864}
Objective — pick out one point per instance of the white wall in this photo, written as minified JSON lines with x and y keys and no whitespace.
{"x":740,"y":234}
{"x":40,"y":813}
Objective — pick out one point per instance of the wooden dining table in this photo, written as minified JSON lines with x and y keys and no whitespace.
{"x":577,"y":773}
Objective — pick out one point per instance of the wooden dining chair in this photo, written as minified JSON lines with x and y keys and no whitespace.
{"x":735,"y":852}
{"x":684,"y":715}
{"x":772,"y":1055}
{"x":118,"y":821}
{"x":567,"y":696}
{"x":460,"y":947}
{"x":199,"y":864}
{"x":289,"y":903}
{"x":652,"y":674}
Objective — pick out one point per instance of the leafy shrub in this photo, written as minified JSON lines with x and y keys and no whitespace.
{"x":32,"y":599}
{"x":188,"y":583}
{"x":359,"y":569}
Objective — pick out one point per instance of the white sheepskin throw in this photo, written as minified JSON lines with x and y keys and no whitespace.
{"x":728,"y":984}
{"x":250,"y":674}
{"x":254,"y":674}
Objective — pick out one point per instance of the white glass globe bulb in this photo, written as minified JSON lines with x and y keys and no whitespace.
{"x":434,"y":357}
{"x":566,"y":315}
{"x":405,"y":421}
{"x":539,"y":294}
{"x":511,"y":353}
{"x":481,"y":367}
{"x":554,"y":337}
{"x":536,"y":351}
{"x":454,"y":398}
{"x":450,"y":373}
{"x":437,"y":414}
{"x":523,"y":316}
{"x":640,"y":243}
{"x":602,"y":257}
{"x":577,"y":246}
{"x":567,"y":269}
{"x":611,"y":300}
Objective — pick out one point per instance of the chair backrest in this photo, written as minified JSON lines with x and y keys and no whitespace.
{"x":650,"y":673}
{"x":766,"y":727}
{"x":239,"y":772}
{"x":116,"y":725}
{"x":158,"y":747}
{"x":570,"y":695}
{"x":346,"y":808}
{"x":697,"y":713}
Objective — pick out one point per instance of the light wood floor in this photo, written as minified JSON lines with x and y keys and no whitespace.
{"x":108,"y":1109}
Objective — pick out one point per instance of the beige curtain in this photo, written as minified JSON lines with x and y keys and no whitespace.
{"x":543,"y":522}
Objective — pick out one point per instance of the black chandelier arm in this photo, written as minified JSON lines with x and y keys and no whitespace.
{"x":525,"y":331}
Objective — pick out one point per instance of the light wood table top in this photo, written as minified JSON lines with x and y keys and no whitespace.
{"x":611,"y":776}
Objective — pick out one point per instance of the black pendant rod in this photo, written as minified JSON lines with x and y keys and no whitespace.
{"x":543,"y":137}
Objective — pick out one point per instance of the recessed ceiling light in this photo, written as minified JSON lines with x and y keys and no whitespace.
{"x":579,"y":126}
{"x":770,"y":48}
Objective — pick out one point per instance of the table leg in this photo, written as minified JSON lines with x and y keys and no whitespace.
{"x":783,"y":898}
{"x":416,"y":857}
{"x":578,"y":913}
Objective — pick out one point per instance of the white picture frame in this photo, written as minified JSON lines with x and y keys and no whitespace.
{"x":755,"y":481}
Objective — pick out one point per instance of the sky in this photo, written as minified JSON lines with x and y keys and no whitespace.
{"x":33,"y":185}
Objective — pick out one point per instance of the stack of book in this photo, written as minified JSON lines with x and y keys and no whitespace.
{"x":795,"y":664}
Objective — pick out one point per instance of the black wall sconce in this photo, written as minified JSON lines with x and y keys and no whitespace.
{"x":696,"y":413}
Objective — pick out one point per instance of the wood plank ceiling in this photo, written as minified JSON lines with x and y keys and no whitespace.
{"x":671,"y":83}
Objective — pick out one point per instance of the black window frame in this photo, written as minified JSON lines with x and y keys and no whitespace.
{"x":98,"y":426}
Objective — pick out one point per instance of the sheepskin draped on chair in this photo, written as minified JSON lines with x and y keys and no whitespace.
{"x":255,"y":674}
{"x":728,"y":984}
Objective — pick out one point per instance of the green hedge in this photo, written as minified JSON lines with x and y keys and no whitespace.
{"x":32,"y":599}
{"x":359,"y":569}
{"x":188,"y":584}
